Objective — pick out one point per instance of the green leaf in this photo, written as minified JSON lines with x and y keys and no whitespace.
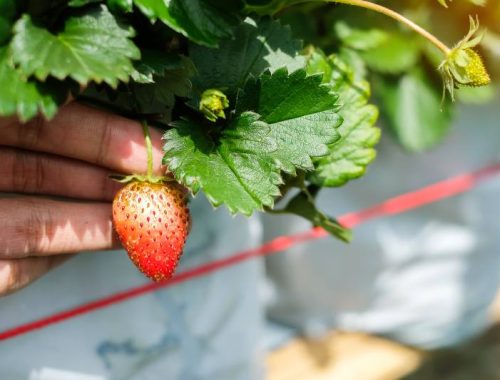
{"x":82,"y":3}
{"x":26,"y":98}
{"x":412,"y":106}
{"x":91,"y":47}
{"x":304,"y":205}
{"x":202,"y":21}
{"x":160,"y":78}
{"x":384,"y":48}
{"x":121,"y":5}
{"x":7,"y":14}
{"x":269,"y":7}
{"x":350,"y":156}
{"x":301,"y":111}
{"x":257,"y":47}
{"x":241,"y":165}
{"x":360,"y":37}
{"x":158,"y":63}
{"x":233,"y":170}
{"x":397,"y":53}
{"x":159,"y":97}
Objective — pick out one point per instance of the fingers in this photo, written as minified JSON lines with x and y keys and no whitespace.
{"x":43,"y":227}
{"x":23,"y":171}
{"x":87,"y":134}
{"x":18,"y":273}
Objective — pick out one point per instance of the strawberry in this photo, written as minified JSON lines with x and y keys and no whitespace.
{"x":152,"y":221}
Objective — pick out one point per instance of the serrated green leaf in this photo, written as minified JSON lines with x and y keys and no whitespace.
{"x":301,"y":112}
{"x":202,"y":21}
{"x":230,"y":170}
{"x":92,"y":47}
{"x":257,"y":47}
{"x":241,"y":165}
{"x":349,"y":157}
{"x":413,"y":109}
{"x":26,"y":98}
{"x":161,"y":77}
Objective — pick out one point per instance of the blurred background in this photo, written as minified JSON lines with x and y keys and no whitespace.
{"x":414,"y":296}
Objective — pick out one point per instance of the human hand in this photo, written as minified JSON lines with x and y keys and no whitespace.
{"x":71,"y":156}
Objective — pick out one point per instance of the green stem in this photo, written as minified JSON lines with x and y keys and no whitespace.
{"x":149,"y":148}
{"x":390,"y":13}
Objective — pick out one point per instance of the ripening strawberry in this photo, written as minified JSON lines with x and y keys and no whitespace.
{"x":152,"y":221}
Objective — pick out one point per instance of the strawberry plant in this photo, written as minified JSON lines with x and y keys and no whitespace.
{"x":263,"y":102}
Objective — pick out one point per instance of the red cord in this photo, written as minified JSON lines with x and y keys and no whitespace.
{"x":403,"y":203}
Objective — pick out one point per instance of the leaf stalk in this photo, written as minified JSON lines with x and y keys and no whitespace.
{"x":149,"y":148}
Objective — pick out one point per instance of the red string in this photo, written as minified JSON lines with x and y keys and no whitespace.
{"x":403,"y":203}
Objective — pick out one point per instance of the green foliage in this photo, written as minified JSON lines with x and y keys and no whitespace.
{"x":413,"y":109}
{"x":348,"y":158}
{"x":231,"y":169}
{"x":202,"y":21}
{"x":7,"y":14}
{"x":248,"y":114}
{"x":91,"y":47}
{"x":281,"y":121}
{"x":26,"y":98}
{"x":256,"y":47}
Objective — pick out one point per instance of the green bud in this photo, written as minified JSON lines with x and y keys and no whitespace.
{"x":213,"y":103}
{"x":463,"y":65}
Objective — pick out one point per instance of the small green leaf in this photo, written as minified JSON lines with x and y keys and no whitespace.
{"x":92,"y":47}
{"x":412,"y":108}
{"x":27,"y":98}
{"x":202,"y":21}
{"x":257,"y":47}
{"x":350,"y":156}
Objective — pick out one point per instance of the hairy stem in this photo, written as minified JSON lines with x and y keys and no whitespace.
{"x":390,"y":13}
{"x":149,"y":148}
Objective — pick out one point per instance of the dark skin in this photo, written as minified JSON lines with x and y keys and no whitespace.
{"x":70,"y":156}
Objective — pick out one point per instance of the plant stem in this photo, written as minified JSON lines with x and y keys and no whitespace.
{"x":149,"y":148}
{"x":390,"y":13}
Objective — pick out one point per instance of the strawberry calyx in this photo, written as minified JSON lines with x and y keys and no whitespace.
{"x":140,"y":178}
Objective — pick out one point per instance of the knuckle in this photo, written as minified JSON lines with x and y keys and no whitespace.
{"x":29,"y":133}
{"x":28,"y":172}
{"x":38,"y":226}
{"x":104,"y":141}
